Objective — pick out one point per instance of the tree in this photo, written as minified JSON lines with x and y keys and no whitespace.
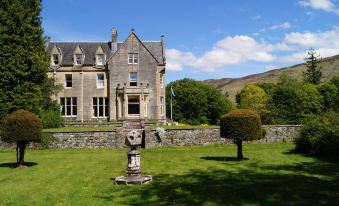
{"x":196,"y":102}
{"x":21,"y":127}
{"x":291,"y":101}
{"x":240,"y":125}
{"x":330,"y":95}
{"x":254,"y":98}
{"x":23,"y":61}
{"x":312,"y":74}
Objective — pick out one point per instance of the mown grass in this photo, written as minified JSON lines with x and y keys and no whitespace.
{"x":208,"y":175}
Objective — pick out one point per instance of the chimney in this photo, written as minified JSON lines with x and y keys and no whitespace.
{"x":163,"y":48}
{"x":114,"y":43}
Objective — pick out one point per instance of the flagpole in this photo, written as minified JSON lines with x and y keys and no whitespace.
{"x":171,"y":107}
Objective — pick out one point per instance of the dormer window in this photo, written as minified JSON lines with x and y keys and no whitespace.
{"x":132,"y":58}
{"x":55,"y":59}
{"x":100,"y":59}
{"x":78,"y":59}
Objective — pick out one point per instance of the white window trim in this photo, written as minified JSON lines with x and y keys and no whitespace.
{"x":70,"y":105}
{"x":103,"y":59}
{"x":134,"y":56}
{"x":103,"y":105}
{"x":161,"y":81}
{"x":103,"y":81}
{"x":132,"y":81}
{"x":82,"y":59}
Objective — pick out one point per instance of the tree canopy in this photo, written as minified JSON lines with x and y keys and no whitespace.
{"x":23,"y":61}
{"x":196,"y":102}
{"x":312,"y":74}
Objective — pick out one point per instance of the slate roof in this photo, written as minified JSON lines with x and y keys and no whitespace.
{"x":90,"y":48}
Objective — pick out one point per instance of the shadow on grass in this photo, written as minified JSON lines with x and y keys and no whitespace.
{"x":224,"y":159}
{"x":14,"y":164}
{"x":301,"y":184}
{"x":332,"y":159}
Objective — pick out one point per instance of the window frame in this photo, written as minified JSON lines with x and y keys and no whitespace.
{"x":81,"y":59}
{"x":133,"y":103}
{"x":97,"y":58}
{"x":98,"y":80}
{"x":133,"y":82}
{"x":53,"y":59}
{"x":133,"y":58}
{"x":96,"y":107}
{"x":68,"y":81}
{"x":162,"y":107}
{"x":161,"y":81}
{"x":64,"y":107}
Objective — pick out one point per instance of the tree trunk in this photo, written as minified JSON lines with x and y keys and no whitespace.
{"x":17,"y":153}
{"x":22,"y":147}
{"x":239,"y":145}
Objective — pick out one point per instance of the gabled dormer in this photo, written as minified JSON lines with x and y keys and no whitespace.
{"x":56,"y":56}
{"x":100,"y":57}
{"x":79,"y":56}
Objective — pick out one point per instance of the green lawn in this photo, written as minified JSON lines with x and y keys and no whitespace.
{"x":210,"y":175}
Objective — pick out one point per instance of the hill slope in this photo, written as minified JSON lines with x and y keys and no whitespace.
{"x":329,"y":67}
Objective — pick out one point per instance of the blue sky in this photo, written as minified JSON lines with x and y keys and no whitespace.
{"x":206,"y":39}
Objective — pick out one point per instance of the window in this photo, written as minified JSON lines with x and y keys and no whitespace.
{"x":132,"y":58}
{"x":146,"y":105}
{"x":68,"y":80}
{"x":78,"y":59}
{"x":100,"y":80}
{"x":162,"y":106}
{"x":100,"y":106}
{"x":133,"y":105}
{"x":55,"y":59}
{"x":100,"y":59}
{"x":133,"y":76}
{"x":161,"y":81}
{"x":68,"y":106}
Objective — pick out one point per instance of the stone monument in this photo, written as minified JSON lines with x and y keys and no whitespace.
{"x":133,"y":174}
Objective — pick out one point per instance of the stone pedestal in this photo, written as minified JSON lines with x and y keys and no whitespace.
{"x":133,"y":175}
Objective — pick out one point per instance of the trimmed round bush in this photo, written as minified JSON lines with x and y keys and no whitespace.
{"x":21,"y":127}
{"x":240,"y":125}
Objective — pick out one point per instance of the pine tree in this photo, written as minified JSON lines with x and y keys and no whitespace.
{"x":23,"y":60}
{"x":312,"y":74}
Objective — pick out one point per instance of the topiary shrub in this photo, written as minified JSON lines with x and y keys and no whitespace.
{"x":21,"y":127}
{"x":240,"y":125}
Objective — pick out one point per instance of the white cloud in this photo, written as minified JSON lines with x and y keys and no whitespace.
{"x":176,"y":59}
{"x":270,"y":67}
{"x":235,"y":50}
{"x":228,"y":51}
{"x":256,"y":18}
{"x":325,"y":5}
{"x":282,"y":26}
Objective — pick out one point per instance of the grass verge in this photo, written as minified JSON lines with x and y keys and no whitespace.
{"x":207,"y":175}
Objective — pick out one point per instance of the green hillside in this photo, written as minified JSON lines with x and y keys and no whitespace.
{"x":329,"y":67}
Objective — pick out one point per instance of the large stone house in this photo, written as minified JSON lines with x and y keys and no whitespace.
{"x":110,"y":81}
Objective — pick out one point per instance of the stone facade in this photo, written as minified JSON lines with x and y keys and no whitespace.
{"x":170,"y":137}
{"x":110,"y":81}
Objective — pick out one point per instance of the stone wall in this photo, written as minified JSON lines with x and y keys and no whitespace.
{"x":180,"y":137}
{"x":168,"y":137}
